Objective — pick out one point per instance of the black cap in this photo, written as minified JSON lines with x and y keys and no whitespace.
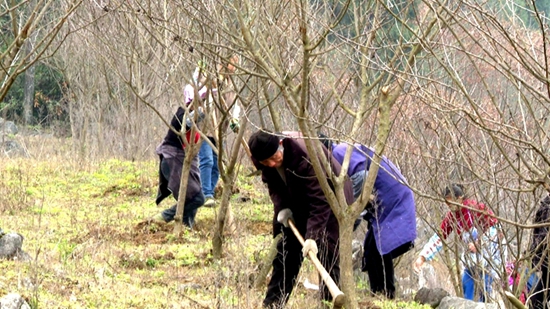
{"x":263,"y":145}
{"x":454,"y":191}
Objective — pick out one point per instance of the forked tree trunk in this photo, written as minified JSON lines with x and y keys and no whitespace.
{"x":192,"y":149}
{"x":228,"y":176}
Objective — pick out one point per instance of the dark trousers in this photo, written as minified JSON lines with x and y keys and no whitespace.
{"x":286,"y":267}
{"x":169,"y":182}
{"x":379,"y":268}
{"x":540,"y":295}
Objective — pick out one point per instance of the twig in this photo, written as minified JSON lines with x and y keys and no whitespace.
{"x":196,"y":302}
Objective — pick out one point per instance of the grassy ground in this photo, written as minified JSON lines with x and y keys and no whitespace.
{"x":81,"y":227}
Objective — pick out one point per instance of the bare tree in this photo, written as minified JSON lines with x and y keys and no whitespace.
{"x":451,"y":91}
{"x":30,"y":33}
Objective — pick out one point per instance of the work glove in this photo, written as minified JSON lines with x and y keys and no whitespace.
{"x":309,"y":245}
{"x":234,"y":125}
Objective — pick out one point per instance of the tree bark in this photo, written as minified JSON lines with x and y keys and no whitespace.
{"x":28,"y":103}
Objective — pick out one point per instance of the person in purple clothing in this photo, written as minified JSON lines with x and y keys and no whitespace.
{"x":391,"y":216}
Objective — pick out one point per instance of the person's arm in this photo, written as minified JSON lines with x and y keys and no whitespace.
{"x":276,"y":191}
{"x":428,"y":252}
{"x":484,"y":219}
{"x":319,"y":208}
{"x":433,"y":245}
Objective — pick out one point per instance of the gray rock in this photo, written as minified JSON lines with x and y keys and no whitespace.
{"x":11,"y":247}
{"x":432,"y":297}
{"x":9,"y":244}
{"x":12,"y":148}
{"x":450,"y":302}
{"x":22,"y":256}
{"x":9,"y":127}
{"x":13,"y":301}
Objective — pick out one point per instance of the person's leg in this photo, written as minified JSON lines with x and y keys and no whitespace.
{"x":190,"y":209}
{"x":205,"y":165}
{"x":468,"y":284}
{"x":389,"y":276}
{"x":286,"y":267}
{"x":169,"y":213}
{"x":379,"y":268}
{"x":215,"y":176}
{"x":163,"y":190}
{"x":172,"y":172}
{"x":487,"y":288}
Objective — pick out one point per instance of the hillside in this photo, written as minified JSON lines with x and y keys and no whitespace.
{"x":81,"y":223}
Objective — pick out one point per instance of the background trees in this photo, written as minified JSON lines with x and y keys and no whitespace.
{"x":451,"y":91}
{"x":29,"y":34}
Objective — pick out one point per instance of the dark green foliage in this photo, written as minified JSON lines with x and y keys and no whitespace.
{"x":48,"y":106}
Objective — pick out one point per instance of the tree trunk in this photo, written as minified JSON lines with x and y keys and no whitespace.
{"x":191,"y":151}
{"x":217,"y":240}
{"x":265,"y":265}
{"x":28,"y":101}
{"x":347,"y":281}
{"x":228,"y":175}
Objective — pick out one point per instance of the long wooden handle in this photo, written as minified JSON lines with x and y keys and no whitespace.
{"x":337,"y":295}
{"x":246,"y":148}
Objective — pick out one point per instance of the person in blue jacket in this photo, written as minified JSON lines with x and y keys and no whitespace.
{"x":391,"y":215}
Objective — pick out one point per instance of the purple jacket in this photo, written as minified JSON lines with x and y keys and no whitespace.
{"x":394,"y":220}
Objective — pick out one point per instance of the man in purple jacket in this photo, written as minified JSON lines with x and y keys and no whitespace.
{"x":293,"y":184}
{"x":391,"y":216}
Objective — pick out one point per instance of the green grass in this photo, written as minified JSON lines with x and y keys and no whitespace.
{"x":80,"y":223}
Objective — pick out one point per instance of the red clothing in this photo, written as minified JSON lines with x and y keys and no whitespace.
{"x":464,"y":219}
{"x":188,"y":137}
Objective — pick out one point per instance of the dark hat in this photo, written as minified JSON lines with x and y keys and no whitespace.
{"x":263,"y":145}
{"x":454,"y":191}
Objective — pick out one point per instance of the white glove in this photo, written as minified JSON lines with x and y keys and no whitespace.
{"x":309,"y":245}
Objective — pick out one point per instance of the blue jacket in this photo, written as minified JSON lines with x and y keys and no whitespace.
{"x":393,"y":219}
